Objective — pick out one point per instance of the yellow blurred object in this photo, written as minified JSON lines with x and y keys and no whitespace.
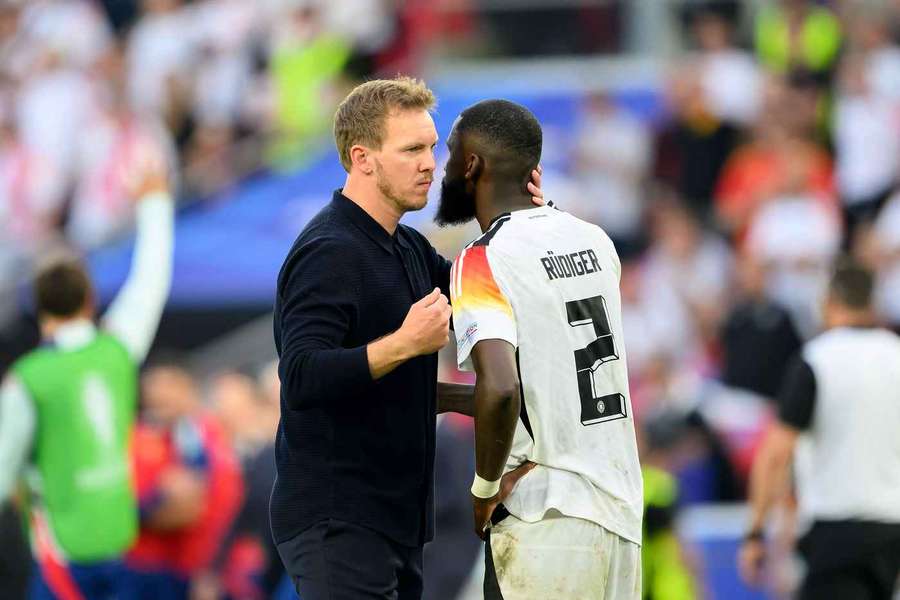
{"x":666,"y":575}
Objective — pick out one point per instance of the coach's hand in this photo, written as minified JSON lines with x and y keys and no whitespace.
{"x":426,"y":328}
{"x":484,"y":507}
{"x":534,"y":186}
{"x":751,"y":561}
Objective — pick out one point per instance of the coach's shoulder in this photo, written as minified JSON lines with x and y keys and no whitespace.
{"x":318,"y":251}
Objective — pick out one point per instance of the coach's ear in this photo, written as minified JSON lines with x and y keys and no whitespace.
{"x":474,"y":167}
{"x":361,"y":158}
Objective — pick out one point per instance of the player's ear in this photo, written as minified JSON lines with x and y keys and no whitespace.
{"x":474,"y":167}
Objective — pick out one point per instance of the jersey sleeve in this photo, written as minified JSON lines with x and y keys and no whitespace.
{"x":134,"y":314}
{"x":481,"y":311}
{"x":18,"y":421}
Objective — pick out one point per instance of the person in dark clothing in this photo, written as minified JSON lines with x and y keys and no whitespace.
{"x":360,"y":312}
{"x":756,"y":323}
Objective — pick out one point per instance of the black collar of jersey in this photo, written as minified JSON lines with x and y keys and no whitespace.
{"x":366,"y":223}
{"x":497,"y":218}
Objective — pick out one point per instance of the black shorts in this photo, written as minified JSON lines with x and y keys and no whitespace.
{"x":850,"y":560}
{"x":336,"y":560}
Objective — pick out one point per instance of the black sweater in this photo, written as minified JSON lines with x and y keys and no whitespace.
{"x":348,"y":447}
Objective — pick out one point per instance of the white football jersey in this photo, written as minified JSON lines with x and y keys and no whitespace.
{"x":548,"y":283}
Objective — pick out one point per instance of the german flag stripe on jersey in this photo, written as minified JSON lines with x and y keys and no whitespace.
{"x":474,"y":287}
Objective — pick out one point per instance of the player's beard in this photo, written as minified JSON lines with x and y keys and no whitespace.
{"x":457,"y":205}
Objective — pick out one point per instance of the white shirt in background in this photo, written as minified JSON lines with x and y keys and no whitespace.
{"x":732,"y":84}
{"x":867,"y":141}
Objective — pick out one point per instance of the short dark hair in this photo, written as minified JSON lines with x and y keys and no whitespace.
{"x":61,"y":288}
{"x":851,"y":284}
{"x":511,"y":131}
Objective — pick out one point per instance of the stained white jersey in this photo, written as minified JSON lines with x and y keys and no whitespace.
{"x":548,"y":283}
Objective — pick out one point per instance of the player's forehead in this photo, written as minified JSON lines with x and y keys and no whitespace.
{"x":410,"y":126}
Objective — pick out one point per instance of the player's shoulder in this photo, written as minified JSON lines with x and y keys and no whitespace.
{"x":578,"y":227}
{"x":840,"y":338}
{"x":33,"y":360}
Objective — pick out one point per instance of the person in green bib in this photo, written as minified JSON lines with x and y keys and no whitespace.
{"x":67,"y":410}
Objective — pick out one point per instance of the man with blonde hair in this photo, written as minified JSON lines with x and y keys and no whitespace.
{"x":360,"y":313}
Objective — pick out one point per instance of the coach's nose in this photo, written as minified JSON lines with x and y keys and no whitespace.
{"x":428,"y":163}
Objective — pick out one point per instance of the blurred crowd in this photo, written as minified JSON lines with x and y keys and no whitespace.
{"x":223,"y":87}
{"x":779,"y":149}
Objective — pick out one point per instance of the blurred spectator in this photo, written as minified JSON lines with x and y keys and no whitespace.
{"x":887,"y":281}
{"x":306,"y":60}
{"x":53,"y":105}
{"x":659,"y":314}
{"x":758,"y":336}
{"x":729,"y":76}
{"x":119,"y":143}
{"x":693,"y":147}
{"x":31,"y":200}
{"x":796,"y":240}
{"x":867,"y":143}
{"x":612,"y":152}
{"x":690,"y":260}
{"x":224,"y":31}
{"x":686,"y":446}
{"x":189,"y":487}
{"x":778,"y":161}
{"x":666,"y":572}
{"x":160,"y":57}
{"x":250,"y":566}
{"x":368,"y":37}
{"x":791,"y":34}
{"x":871,"y":37}
{"x":73,"y":30}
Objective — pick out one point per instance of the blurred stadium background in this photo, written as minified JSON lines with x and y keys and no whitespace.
{"x":731,"y":149}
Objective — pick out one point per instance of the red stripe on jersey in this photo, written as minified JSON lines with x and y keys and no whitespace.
{"x":477,"y":287}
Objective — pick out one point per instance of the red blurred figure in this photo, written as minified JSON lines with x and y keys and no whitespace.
{"x":189,"y":485}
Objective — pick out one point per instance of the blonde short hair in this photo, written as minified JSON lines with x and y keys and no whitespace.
{"x":361,"y":117}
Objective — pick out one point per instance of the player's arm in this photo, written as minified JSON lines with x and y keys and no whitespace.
{"x":496,"y":406}
{"x":17,"y":427}
{"x":134,"y":314}
{"x":770,"y":473}
{"x":456,"y":397}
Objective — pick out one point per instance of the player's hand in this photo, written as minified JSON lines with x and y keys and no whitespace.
{"x":150,"y":174}
{"x":751,"y":560}
{"x":426,"y":328}
{"x":534,"y":186}
{"x":483,"y":508}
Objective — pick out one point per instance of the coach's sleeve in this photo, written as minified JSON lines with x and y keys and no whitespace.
{"x":317,"y":306}
{"x":481,"y":311}
{"x":797,"y":397}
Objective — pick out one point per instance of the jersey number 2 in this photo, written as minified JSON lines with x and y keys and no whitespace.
{"x":595,"y":408}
